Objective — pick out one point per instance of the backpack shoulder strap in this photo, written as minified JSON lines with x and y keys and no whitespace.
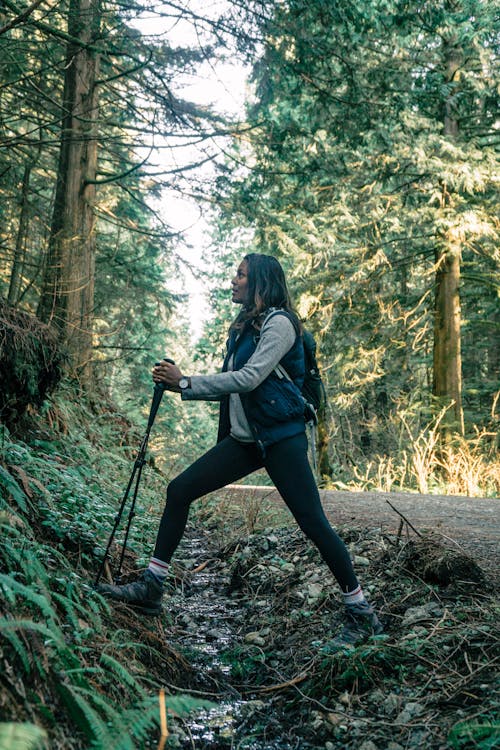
{"x":278,"y":311}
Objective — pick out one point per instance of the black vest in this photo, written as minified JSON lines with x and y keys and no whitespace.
{"x":275,"y":409}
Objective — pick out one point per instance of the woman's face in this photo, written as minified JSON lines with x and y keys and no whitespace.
{"x":239,"y":284}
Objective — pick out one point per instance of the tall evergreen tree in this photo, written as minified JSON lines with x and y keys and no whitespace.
{"x":371,"y":169}
{"x":67,"y":296}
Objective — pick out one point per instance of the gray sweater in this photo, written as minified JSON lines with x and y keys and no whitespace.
{"x":276,"y":339}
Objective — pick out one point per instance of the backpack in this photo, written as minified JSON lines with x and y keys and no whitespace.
{"x":313,"y":389}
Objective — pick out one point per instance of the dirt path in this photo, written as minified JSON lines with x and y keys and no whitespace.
{"x":472,"y":522}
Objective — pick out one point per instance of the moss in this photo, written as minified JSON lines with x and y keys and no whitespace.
{"x":31,"y":362}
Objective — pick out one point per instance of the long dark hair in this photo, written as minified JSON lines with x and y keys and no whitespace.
{"x":266,"y":288}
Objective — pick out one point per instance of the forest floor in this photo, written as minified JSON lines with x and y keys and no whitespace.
{"x":252,"y":615}
{"x":241,"y":648}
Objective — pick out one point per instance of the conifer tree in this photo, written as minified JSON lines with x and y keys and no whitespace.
{"x":371,"y":171}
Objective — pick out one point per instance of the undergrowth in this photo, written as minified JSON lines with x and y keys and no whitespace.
{"x":419,"y":457}
{"x":73,"y":668}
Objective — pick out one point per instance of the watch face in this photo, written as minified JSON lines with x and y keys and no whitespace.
{"x":183,"y":383}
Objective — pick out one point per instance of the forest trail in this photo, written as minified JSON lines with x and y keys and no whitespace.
{"x":254,"y":615}
{"x":472,"y":522}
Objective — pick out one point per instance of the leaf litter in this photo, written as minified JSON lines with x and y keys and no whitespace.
{"x":254,"y":617}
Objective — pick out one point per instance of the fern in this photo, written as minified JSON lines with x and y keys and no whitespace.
{"x":82,"y":713}
{"x":9,"y":484}
{"x":13,"y":589}
{"x":21,"y":736}
{"x":8,"y":626}
{"x":19,"y":647}
{"x":121,"y":672}
{"x":481,"y":735}
{"x":136,"y":725}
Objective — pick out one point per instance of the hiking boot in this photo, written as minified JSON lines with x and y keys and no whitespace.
{"x":361,"y":623}
{"x":144,"y":594}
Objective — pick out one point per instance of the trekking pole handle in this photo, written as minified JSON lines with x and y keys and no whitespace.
{"x":161,"y":386}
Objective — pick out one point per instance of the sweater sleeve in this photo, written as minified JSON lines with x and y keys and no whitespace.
{"x":276,"y":339}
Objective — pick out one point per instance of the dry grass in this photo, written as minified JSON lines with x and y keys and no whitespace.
{"x":428,"y":462}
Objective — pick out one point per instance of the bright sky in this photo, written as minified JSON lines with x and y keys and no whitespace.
{"x":220,"y":84}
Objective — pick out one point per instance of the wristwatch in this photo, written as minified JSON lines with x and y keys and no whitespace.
{"x":184,"y":383}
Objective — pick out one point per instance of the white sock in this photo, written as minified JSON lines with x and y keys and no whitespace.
{"x":354,"y":597}
{"x":158,"y":568}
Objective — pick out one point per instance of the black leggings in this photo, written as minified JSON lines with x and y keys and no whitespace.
{"x":287,"y":464}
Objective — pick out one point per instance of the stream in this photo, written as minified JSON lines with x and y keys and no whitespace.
{"x":209,"y":624}
{"x":253,"y":616}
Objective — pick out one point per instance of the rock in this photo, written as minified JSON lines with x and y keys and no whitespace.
{"x":250,"y":707}
{"x":394,"y":746}
{"x":314,"y":590}
{"x":317,"y":719}
{"x":368,"y":745}
{"x":329,"y":746}
{"x":255,"y":638}
{"x":345,"y":698}
{"x":314,"y":577}
{"x":377,"y":697}
{"x":334,"y":719}
{"x":424,"y":612}
{"x":361,"y":561}
{"x":409,"y":712}
{"x":390,"y":704}
{"x":419,"y":738}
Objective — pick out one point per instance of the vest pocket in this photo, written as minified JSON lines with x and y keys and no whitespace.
{"x":280,"y":403}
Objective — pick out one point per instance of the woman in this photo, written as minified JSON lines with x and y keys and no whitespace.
{"x":261,"y":425}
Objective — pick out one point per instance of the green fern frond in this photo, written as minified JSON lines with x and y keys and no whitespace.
{"x":108,"y":727}
{"x":136,"y":725}
{"x":10,"y":518}
{"x":81,"y":712}
{"x":485,"y":735}
{"x":8,"y":626}
{"x":13,"y":588}
{"x":11,"y":487}
{"x":121,"y":672}
{"x":184,"y":704}
{"x":21,"y":736}
{"x":19,"y":647}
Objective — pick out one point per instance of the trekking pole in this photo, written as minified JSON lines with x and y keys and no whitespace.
{"x":136,"y":474}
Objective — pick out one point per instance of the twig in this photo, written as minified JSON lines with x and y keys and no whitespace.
{"x":163,"y":720}
{"x":400,"y":531}
{"x":279,"y":686}
{"x":404,"y":519}
{"x":200,"y":567}
{"x":107,"y":571}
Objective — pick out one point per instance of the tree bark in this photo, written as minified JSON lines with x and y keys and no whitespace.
{"x":22,"y":234}
{"x":447,"y":361}
{"x":68,"y":285}
{"x":447,"y":382}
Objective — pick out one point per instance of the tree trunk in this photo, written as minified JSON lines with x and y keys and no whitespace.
{"x":68,"y":286}
{"x":22,"y":234}
{"x":447,"y":361}
{"x":447,"y":382}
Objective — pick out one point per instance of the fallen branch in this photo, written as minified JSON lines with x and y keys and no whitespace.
{"x":412,"y":527}
{"x":279,"y":686}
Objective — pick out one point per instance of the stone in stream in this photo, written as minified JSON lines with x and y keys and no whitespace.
{"x":428,"y":611}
